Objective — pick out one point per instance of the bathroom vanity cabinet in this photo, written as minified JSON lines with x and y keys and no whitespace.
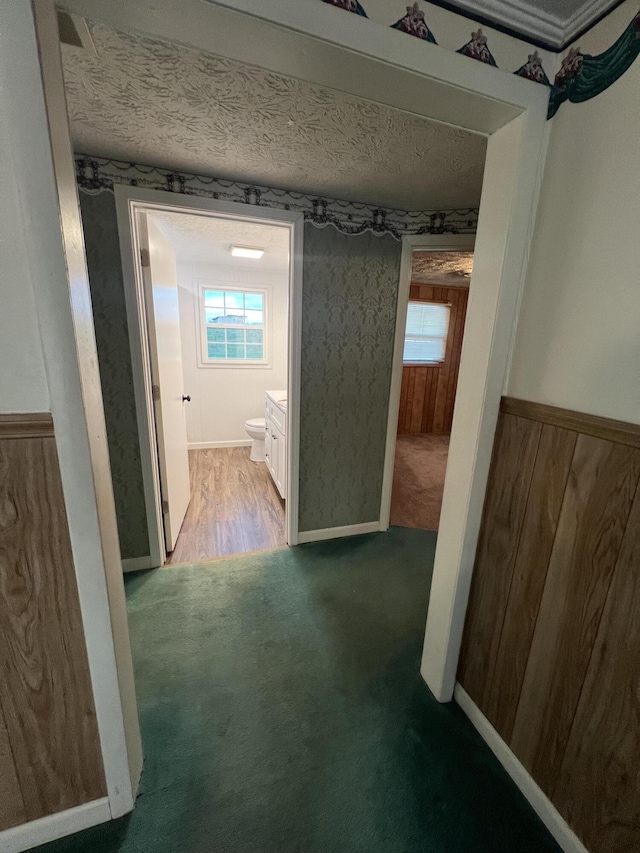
{"x":275,"y":438}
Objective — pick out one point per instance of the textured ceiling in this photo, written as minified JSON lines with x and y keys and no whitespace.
{"x":442,"y":268}
{"x":162,"y":104}
{"x":198,"y":238}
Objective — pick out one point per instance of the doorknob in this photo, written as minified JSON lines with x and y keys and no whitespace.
{"x":186,"y":398}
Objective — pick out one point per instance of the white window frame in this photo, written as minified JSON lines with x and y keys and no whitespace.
{"x":231,"y":363}
{"x":435,"y":362}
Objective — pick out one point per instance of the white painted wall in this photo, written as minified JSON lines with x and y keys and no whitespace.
{"x":23,"y":383}
{"x":48,"y":362}
{"x":578,"y":338}
{"x":223,"y":398}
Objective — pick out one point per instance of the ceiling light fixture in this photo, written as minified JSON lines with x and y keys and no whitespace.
{"x":246,"y":252}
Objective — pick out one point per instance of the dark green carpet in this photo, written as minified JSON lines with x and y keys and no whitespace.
{"x":282,"y":712}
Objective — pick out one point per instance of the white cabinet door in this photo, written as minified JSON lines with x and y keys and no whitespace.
{"x":279,"y":459}
{"x":268,"y":442}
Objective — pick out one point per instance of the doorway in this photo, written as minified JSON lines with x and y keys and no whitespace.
{"x":513,"y":117}
{"x":434,"y":328}
{"x":211,"y":307}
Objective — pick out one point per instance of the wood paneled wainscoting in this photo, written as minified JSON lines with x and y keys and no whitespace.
{"x":428,"y":392}
{"x":551,"y":649}
{"x":50,"y":757}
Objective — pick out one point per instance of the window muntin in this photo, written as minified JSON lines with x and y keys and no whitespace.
{"x":425,"y":339}
{"x":233,"y":322}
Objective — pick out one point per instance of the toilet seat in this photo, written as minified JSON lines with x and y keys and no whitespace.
{"x":256,"y":423}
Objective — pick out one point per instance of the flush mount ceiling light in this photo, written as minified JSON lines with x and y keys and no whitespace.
{"x":246,"y":252}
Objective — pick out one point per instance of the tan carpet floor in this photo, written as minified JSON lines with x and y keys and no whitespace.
{"x":418,"y":480}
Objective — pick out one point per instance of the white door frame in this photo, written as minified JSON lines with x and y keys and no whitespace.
{"x":410,"y":244}
{"x":316,"y":42}
{"x":130,"y":201}
{"x":329,"y":47}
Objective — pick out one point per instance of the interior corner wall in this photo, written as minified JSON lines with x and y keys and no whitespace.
{"x":577,"y":344}
{"x":348,"y":323}
{"x":210,"y":418}
{"x":114,"y":358}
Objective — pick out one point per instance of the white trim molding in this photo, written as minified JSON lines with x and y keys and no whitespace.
{"x":585,"y":17}
{"x":44,"y":171}
{"x":207,"y":445}
{"x":540,"y":803}
{"x":553,"y":30}
{"x":54,"y":826}
{"x":305,"y":536}
{"x":137,"y":564}
{"x":518,"y":15}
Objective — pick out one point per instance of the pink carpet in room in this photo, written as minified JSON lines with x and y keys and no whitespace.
{"x":418,"y":480}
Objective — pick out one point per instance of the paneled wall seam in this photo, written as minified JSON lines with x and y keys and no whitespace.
{"x":563,"y":675}
{"x":555,"y":533}
{"x":514,"y":563}
{"x":594,"y":646}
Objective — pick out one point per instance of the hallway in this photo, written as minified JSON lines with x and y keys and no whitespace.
{"x":282,"y":712}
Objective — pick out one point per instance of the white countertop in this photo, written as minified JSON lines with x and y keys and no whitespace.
{"x":278,"y":397}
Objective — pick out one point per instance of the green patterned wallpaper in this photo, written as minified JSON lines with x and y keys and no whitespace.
{"x":348,"y":322}
{"x":349,"y":306}
{"x":114,"y":359}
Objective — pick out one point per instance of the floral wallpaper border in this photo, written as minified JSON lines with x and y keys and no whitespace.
{"x":580,"y":78}
{"x":97,"y":174}
{"x":583,"y":76}
{"x":414,"y":23}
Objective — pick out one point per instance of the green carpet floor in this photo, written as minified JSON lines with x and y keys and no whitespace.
{"x":282,"y":712}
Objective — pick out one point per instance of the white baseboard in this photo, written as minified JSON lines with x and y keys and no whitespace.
{"x":135,"y":564}
{"x":541,"y":804}
{"x":205,"y":445}
{"x":54,"y":826}
{"x":337,"y":532}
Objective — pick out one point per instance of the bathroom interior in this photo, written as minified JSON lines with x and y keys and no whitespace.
{"x":233,"y":289}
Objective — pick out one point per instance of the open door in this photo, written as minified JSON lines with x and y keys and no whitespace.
{"x":163,"y":323}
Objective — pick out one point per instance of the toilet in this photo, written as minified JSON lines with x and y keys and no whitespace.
{"x":255,"y":428}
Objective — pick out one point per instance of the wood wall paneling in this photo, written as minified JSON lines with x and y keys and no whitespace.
{"x":30,"y":425}
{"x":428,"y":392}
{"x":619,"y":432}
{"x":598,"y":787}
{"x":512,"y":464}
{"x":12,"y":811}
{"x":596,"y":505}
{"x":551,"y":650}
{"x":46,"y":698}
{"x":544,"y":501}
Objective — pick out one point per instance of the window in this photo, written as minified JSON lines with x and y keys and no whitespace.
{"x":425,"y":338}
{"x":233,"y":326}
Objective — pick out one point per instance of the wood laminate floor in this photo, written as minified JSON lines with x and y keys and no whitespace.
{"x":234,"y":507}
